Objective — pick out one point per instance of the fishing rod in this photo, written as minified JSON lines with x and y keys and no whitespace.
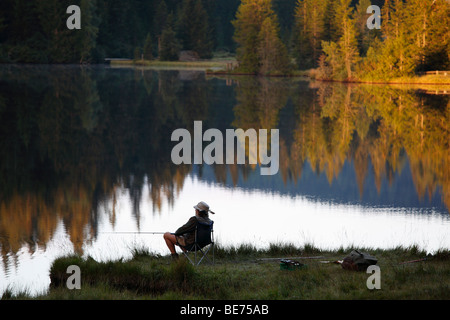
{"x":132,"y":232}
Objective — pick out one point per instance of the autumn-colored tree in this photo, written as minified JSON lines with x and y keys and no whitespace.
{"x":250,"y":38}
{"x":347,"y":43}
{"x":365,"y":36}
{"x":429,"y":30}
{"x":272,"y":53}
{"x":415,"y":37}
{"x":342,"y":55}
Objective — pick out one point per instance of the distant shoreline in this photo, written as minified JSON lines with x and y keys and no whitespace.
{"x":217,"y":67}
{"x":417,"y":80}
{"x":212,"y":64}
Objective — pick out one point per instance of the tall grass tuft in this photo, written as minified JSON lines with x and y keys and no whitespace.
{"x":283,"y":249}
{"x":9,"y":294}
{"x":181,"y":274}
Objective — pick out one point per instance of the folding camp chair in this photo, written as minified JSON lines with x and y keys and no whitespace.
{"x":204,"y":236}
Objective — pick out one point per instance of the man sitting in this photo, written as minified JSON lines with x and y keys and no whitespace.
{"x":185,"y":235}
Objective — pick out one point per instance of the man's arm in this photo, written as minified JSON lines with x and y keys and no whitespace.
{"x":188,"y":227}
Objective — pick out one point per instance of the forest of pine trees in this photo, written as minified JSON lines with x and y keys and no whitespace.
{"x":332,"y":36}
{"x":36,"y":32}
{"x":414,"y":37}
{"x":267,"y":36}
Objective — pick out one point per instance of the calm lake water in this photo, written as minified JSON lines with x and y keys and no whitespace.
{"x":87,"y":151}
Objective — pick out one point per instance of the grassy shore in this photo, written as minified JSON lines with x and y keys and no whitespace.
{"x":247,"y":273}
{"x":425,"y":79}
{"x":212,"y":65}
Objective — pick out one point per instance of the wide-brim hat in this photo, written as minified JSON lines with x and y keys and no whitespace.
{"x":202,"y":206}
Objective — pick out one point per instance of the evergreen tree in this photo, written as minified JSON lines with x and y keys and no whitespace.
{"x":369,"y":69}
{"x":223,"y":15}
{"x":348,"y":45}
{"x":148,"y":48}
{"x":58,"y":38}
{"x":160,"y":18}
{"x":429,"y":31}
{"x":302,"y":50}
{"x":250,"y":18}
{"x":437,"y":51}
{"x":120,"y":30}
{"x":169,"y":46}
{"x":386,"y":11}
{"x":310,"y":31}
{"x":88,"y":33}
{"x":137,"y":54}
{"x":331,"y":25}
{"x":193,"y":28}
{"x":365,"y":36}
{"x":331,"y":61}
{"x":272,"y":52}
{"x":22,"y":39}
{"x":342,"y":55}
{"x":399,"y":50}
{"x":286,"y":20}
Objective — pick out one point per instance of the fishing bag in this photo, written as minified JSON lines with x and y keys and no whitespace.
{"x":358,"y":261}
